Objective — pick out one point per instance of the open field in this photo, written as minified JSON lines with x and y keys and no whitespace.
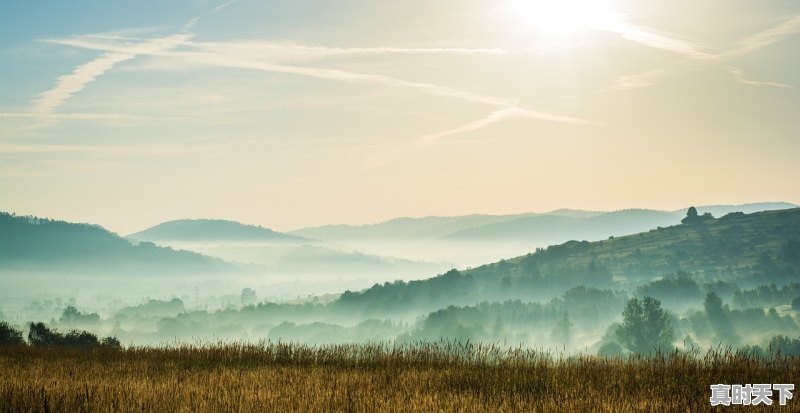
{"x":425,"y":377}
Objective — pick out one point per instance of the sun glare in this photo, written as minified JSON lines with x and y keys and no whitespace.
{"x":563,"y":20}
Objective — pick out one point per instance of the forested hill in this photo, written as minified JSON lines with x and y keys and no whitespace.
{"x":748,"y":250}
{"x":204,"y":230}
{"x":37,"y":244}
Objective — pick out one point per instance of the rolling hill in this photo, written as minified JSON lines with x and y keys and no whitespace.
{"x":36,"y":244}
{"x":749,"y":250}
{"x":213,"y":230}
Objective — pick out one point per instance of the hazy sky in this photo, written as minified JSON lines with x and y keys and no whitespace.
{"x":295,"y":113}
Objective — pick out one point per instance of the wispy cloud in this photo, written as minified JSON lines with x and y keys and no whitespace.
{"x":738,"y":75}
{"x":272,"y":51}
{"x":638,"y":80}
{"x":497,"y":116}
{"x":765,"y":38}
{"x":191,"y":23}
{"x":689,"y":50}
{"x":69,"y":84}
{"x":241,"y":56}
{"x":74,"y":82}
{"x":223,"y":6}
{"x":650,"y":38}
{"x":285,"y":52}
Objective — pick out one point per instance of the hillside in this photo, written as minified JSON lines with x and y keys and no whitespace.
{"x":37,"y":244}
{"x":210,"y":230}
{"x":748,"y":250}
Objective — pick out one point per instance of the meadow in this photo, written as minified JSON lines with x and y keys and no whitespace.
{"x":424,"y":377}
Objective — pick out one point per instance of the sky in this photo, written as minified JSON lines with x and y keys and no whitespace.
{"x":298,"y":113}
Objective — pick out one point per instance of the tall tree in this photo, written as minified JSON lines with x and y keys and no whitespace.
{"x":10,"y":336}
{"x":718,"y":317}
{"x":646,"y":327}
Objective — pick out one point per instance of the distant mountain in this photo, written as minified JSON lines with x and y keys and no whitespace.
{"x":208,"y":230}
{"x":574,"y":213}
{"x":430,"y":228}
{"x":37,"y":244}
{"x":745,"y":249}
{"x":549,"y":229}
{"x":534,"y":228}
{"x":399,"y":228}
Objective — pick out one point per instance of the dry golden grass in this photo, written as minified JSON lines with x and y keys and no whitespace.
{"x":375,"y":378}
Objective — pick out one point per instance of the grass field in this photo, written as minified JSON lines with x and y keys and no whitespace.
{"x":427,"y":377}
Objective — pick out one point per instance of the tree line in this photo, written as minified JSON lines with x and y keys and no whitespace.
{"x":39,"y":335}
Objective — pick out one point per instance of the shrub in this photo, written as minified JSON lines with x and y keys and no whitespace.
{"x":41,"y":336}
{"x":10,"y":336}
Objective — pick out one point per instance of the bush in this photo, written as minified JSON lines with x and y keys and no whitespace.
{"x":77,"y":338}
{"x":41,"y":336}
{"x":10,"y":336}
{"x":111,"y":342}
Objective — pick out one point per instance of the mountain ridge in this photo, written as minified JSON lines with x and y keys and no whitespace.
{"x":204,"y":230}
{"x":444,"y":227}
{"x":39,"y":244}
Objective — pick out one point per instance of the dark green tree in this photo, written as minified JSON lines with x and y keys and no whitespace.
{"x":719,"y":318}
{"x":41,"y":336}
{"x":10,"y":336}
{"x":646,"y":328}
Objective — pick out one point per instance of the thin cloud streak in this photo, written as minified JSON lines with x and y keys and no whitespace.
{"x":493,"y":117}
{"x":74,"y":82}
{"x":497,"y":116}
{"x":222,"y":56}
{"x":765,"y":38}
{"x":271,"y":50}
{"x":637,"y":80}
{"x":223,"y":6}
{"x":68,"y":85}
{"x":738,"y":75}
{"x":650,"y":38}
{"x":509,"y":108}
{"x":748,"y":45}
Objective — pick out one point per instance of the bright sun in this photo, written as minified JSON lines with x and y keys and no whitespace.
{"x":562,"y":20}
